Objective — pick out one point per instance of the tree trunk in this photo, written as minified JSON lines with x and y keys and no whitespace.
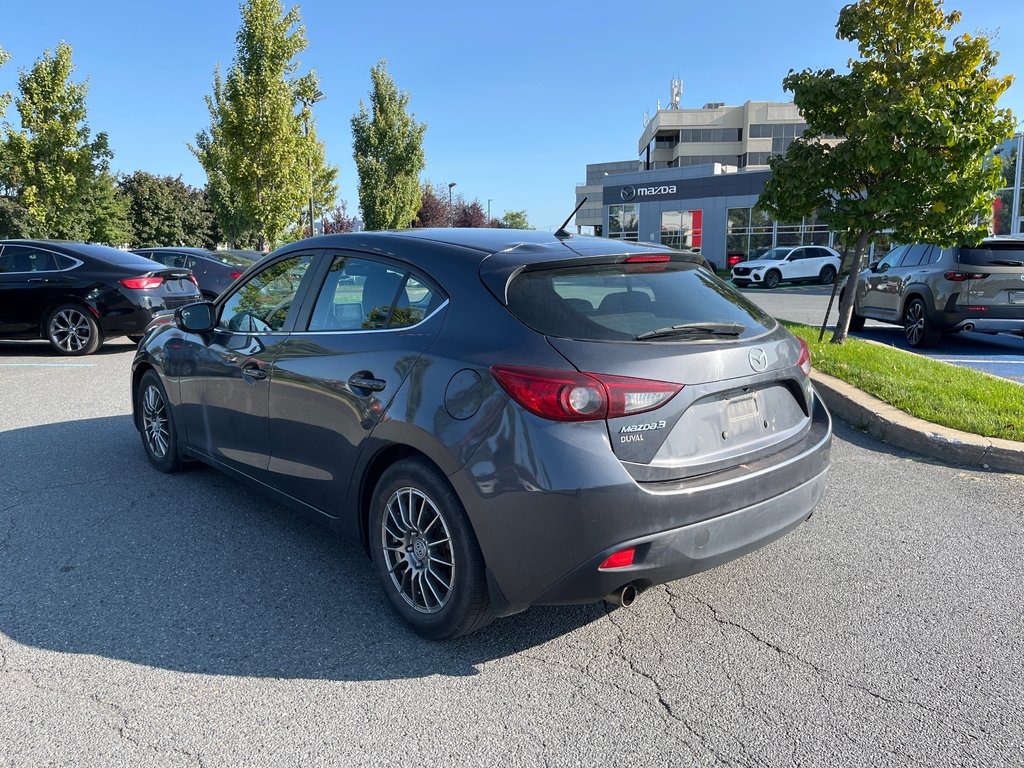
{"x":846,"y":305}
{"x":835,"y":287}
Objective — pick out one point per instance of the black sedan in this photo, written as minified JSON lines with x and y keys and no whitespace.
{"x":77,"y":294}
{"x":501,"y":418}
{"x":214,"y":270}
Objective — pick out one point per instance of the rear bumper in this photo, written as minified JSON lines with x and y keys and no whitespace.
{"x":671,"y":555}
{"x":547,"y":523}
{"x":994,"y":319}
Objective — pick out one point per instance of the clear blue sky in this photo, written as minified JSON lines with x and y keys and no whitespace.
{"x":519,"y":97}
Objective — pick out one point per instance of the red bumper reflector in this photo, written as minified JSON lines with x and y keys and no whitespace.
{"x":235,"y":275}
{"x":620,"y":559}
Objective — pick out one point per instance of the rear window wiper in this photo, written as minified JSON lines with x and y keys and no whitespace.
{"x":1006,"y":263}
{"x":694,"y":329}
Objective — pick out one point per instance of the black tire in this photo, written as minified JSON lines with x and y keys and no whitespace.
{"x":455,"y":601}
{"x":72,"y":330}
{"x":156,"y":425}
{"x":772,"y":279}
{"x":917,"y":328}
{"x":209,"y":296}
{"x":827,"y":276}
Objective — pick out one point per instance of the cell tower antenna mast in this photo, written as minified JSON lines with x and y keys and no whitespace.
{"x":677,"y":93}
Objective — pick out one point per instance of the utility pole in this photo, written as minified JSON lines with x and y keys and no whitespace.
{"x":308,"y":103}
{"x":451,"y":211}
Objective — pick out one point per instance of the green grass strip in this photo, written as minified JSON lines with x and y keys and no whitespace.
{"x":942,"y":393}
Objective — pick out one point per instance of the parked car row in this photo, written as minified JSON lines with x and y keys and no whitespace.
{"x":75,"y":295}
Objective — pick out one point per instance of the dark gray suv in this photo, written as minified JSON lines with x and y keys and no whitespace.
{"x":931,"y":290}
{"x":501,"y":418}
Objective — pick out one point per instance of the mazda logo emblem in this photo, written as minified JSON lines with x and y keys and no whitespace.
{"x":628,"y":193}
{"x":1022,"y":277}
{"x":758,"y":359}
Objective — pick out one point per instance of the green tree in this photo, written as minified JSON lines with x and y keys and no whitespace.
{"x":51,"y":164}
{"x":915,"y":120}
{"x":515,"y":220}
{"x":106,"y":217}
{"x":5,"y":96}
{"x":387,"y":145}
{"x":256,"y":153}
{"x":167,"y":211}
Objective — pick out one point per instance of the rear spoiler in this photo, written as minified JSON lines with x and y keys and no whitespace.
{"x":171,"y":274}
{"x":499,"y":269}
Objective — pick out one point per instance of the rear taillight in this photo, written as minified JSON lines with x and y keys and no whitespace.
{"x":959,"y":277}
{"x":733,"y":260}
{"x":141,"y":283}
{"x":804,"y":361}
{"x":234,"y":275}
{"x":193,"y":279}
{"x":571,"y":396}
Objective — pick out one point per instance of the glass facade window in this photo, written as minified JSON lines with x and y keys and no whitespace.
{"x":754,"y":158}
{"x":751,"y":232}
{"x":706,"y":159}
{"x":1003,"y":222}
{"x":695,"y":135}
{"x":624,"y":222}
{"x":777,"y":130}
{"x":682,"y":229}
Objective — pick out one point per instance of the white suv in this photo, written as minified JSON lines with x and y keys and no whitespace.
{"x":792,"y":264}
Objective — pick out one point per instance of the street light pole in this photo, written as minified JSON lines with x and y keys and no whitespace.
{"x":308,"y":103}
{"x":451,"y":211}
{"x":489,"y":210}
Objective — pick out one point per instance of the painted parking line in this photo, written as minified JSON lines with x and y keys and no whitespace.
{"x":48,"y":365}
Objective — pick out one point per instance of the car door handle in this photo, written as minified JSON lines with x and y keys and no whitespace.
{"x":37,"y":280}
{"x":253,"y":371}
{"x":367,"y":382}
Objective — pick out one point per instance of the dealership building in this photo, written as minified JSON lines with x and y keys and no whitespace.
{"x":700,"y":172}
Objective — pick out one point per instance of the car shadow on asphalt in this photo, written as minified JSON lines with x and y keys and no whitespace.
{"x":39,"y":348}
{"x":194,"y":572}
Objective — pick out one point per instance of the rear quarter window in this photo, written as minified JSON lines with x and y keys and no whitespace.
{"x":621,"y":301}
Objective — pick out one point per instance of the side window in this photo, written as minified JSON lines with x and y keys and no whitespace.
{"x":892,"y":258}
{"x":64,"y":262}
{"x":361,"y":295}
{"x":188,"y":262}
{"x":262,"y":303}
{"x":915,"y":255}
{"x":23,"y":258}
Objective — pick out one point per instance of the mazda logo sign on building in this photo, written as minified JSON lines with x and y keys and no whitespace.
{"x":628,"y":193}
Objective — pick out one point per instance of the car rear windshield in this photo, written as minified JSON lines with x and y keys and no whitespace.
{"x":619,"y":302}
{"x":232,"y":259}
{"x":995,"y":254}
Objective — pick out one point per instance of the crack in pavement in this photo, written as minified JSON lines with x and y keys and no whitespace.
{"x":666,"y":707}
{"x":827,"y":675}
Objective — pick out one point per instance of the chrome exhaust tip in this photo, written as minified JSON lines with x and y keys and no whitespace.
{"x":623,"y":596}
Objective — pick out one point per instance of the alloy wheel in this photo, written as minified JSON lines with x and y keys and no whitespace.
{"x":155,"y":427}
{"x":70,"y":330}
{"x":913,"y":324}
{"x":417,"y":549}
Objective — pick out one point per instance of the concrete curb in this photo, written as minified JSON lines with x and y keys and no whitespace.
{"x":902,"y":430}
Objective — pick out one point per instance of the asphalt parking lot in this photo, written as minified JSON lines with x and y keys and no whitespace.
{"x":1000,"y":354}
{"x":186,"y":620}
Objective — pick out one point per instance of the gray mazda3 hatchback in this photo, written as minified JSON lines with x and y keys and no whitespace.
{"x":500,"y":418}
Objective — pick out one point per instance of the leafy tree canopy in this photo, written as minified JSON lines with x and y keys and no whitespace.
{"x":902,"y":141}
{"x":515,"y":220}
{"x":388,"y":150}
{"x":52,"y":165}
{"x":261,"y":153}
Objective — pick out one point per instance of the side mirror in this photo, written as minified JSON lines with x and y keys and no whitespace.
{"x":196,"y":318}
{"x":873,"y":266}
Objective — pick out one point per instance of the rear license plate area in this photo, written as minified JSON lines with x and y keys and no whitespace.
{"x":1017,"y":297}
